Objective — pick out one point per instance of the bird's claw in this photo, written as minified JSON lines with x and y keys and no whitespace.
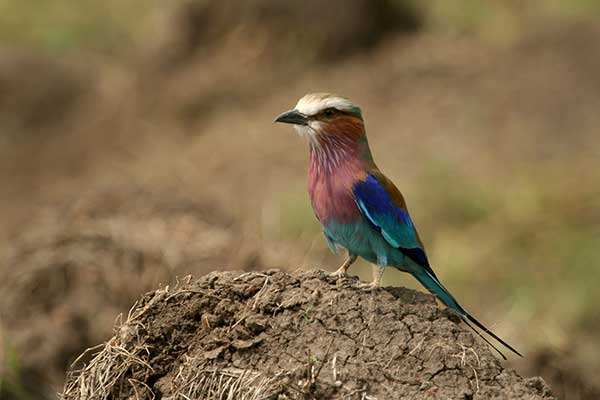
{"x":341,"y":271}
{"x":338,"y":274}
{"x":368,"y":286}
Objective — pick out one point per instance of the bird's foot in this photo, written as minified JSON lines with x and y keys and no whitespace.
{"x":376,"y":280}
{"x":340,"y":273}
{"x":368,"y":286}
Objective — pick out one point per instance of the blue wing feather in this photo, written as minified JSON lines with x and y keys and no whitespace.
{"x":394,"y":223}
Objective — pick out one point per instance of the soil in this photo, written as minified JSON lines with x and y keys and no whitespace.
{"x":75,"y":267}
{"x":300,"y":335}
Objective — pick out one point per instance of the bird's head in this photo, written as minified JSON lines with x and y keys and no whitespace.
{"x":318,"y":116}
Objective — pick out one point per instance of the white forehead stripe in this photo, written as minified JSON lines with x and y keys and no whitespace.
{"x":313,"y":103}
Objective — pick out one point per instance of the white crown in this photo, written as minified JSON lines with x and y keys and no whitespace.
{"x":314,"y":103}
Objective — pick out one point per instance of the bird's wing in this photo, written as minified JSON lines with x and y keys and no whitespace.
{"x":384,"y":207}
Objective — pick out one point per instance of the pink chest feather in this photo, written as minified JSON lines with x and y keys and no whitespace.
{"x":330,"y":185}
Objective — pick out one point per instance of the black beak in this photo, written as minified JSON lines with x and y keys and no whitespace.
{"x":292,"y":117}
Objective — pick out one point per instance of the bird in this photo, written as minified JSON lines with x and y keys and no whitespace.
{"x":360,"y":209}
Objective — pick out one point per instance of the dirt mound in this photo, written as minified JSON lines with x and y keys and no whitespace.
{"x":74,"y":268}
{"x":304,"y":335}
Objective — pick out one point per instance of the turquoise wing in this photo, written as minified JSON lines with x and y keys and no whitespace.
{"x":388,"y":215}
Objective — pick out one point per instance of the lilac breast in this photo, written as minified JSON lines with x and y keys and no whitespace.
{"x":331,"y":193}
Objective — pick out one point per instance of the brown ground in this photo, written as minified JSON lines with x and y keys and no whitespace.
{"x":302,"y":335}
{"x":76,"y":268}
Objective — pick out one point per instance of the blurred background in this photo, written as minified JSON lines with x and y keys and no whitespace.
{"x":137,"y":147}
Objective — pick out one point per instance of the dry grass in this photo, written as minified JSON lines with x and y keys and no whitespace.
{"x":224,"y":384}
{"x":105,"y":375}
{"x":119,"y":355}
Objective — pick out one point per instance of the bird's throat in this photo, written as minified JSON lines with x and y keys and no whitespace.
{"x":331,"y":154}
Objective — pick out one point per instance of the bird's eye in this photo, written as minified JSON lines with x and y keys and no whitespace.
{"x":329,"y":112}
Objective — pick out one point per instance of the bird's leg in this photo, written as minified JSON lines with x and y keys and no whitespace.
{"x":377,"y":275}
{"x":341,"y":271}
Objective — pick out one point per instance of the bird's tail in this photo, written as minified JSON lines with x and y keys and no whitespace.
{"x":432,"y":284}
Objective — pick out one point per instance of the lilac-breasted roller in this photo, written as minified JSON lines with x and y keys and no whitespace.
{"x":360,"y":209}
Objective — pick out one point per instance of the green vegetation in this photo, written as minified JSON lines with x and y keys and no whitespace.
{"x":62,"y":26}
{"x":10,"y":383}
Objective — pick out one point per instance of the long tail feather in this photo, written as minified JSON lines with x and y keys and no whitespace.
{"x":484,"y":338}
{"x":434,"y":286}
{"x":492,"y":334}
